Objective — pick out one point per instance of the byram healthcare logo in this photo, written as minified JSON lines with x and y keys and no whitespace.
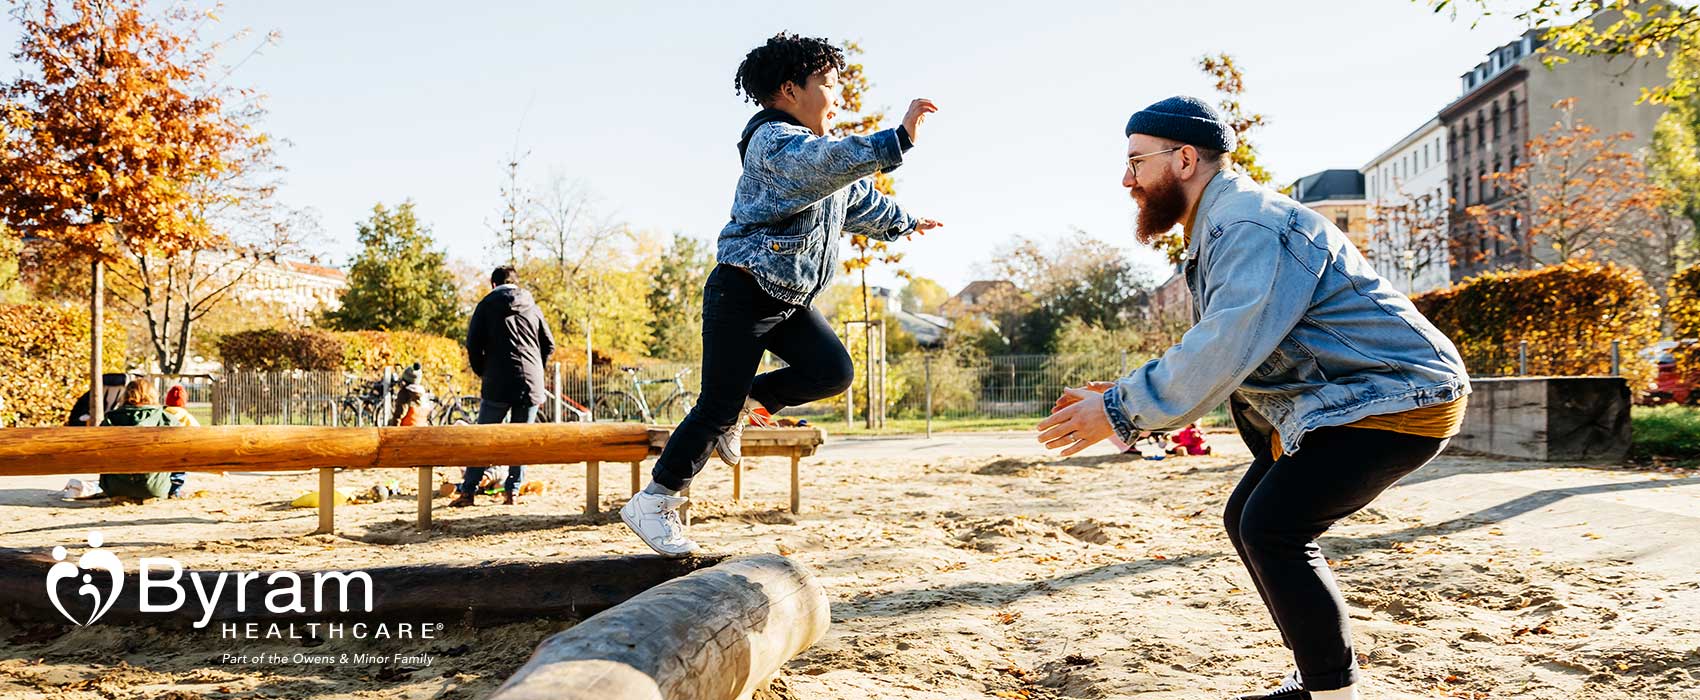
{"x":96,"y":559}
{"x":161,"y":588}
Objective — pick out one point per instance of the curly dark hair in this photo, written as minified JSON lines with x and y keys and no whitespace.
{"x":785,"y":57}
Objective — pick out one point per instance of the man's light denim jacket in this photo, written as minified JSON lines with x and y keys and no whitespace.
{"x":797,"y":193}
{"x":1290,"y":316}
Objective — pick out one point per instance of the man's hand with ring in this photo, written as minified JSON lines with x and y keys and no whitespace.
{"x":1078,"y":424}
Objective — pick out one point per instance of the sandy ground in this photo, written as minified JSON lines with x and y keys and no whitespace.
{"x":972,"y":566}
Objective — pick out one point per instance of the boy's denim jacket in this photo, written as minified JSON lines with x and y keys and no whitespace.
{"x":1290,"y":319}
{"x":798,"y":191}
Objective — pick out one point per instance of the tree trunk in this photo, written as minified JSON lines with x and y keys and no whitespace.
{"x":97,"y":393}
{"x":183,"y":328}
{"x":868,"y":347}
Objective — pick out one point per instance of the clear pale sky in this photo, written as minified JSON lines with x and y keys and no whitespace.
{"x":386,"y":100}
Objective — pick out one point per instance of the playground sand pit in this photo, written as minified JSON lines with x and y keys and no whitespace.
{"x":966,"y":566}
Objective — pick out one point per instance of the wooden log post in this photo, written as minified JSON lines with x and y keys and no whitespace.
{"x":796,"y":483}
{"x":327,"y":501}
{"x":592,"y":487}
{"x":426,"y":490}
{"x":720,"y":633}
{"x":738,"y":481}
{"x":637,"y":481}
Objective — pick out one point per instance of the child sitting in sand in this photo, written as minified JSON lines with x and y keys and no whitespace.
{"x":411,"y":406}
{"x":1189,"y":442}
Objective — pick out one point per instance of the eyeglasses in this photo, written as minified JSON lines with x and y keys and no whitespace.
{"x":1133,"y":162}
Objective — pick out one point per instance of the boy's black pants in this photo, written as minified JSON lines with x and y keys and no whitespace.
{"x":739,"y":322}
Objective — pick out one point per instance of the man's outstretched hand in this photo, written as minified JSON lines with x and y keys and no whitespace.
{"x":1068,"y":399}
{"x":1078,"y":421}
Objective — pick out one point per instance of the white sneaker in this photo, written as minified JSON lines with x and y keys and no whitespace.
{"x":729,"y":446}
{"x":655,"y":519}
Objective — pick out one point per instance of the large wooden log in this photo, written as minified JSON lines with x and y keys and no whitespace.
{"x":512,"y":443}
{"x":717,"y":634}
{"x":480,"y":594}
{"x":47,"y":451}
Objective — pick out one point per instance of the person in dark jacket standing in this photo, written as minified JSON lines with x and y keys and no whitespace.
{"x":507,"y":343}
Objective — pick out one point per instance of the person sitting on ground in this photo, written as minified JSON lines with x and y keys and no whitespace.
{"x":141,"y":409}
{"x":1189,"y":442}
{"x":177,"y":406}
{"x":411,"y":406}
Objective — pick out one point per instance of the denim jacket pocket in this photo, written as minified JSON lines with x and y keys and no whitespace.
{"x":785,"y":245}
{"x":791,"y":262}
{"x":1290,"y":362}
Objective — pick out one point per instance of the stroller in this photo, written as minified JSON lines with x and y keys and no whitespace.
{"x":112,"y":396}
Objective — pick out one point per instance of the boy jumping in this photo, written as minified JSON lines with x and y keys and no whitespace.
{"x":799,"y":190}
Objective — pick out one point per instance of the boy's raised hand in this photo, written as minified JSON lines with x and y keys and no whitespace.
{"x":923,"y":226}
{"x":918,"y":111}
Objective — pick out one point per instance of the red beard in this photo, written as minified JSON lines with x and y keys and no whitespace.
{"x":1161,"y":206}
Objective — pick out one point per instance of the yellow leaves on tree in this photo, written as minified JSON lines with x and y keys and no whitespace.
{"x":102,"y":143}
{"x":1569,"y":314}
{"x":1578,"y":192}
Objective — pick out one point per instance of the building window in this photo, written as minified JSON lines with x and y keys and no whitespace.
{"x":1481,"y":132}
{"x":1496,"y":131}
{"x":1511,"y":111}
{"x":1343,"y":221}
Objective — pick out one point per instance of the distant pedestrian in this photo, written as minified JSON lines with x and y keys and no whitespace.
{"x":507,"y":344}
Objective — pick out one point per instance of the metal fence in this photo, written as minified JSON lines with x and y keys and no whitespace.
{"x":294,"y":397}
{"x":1536,"y":359}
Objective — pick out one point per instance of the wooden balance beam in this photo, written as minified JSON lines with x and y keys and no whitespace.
{"x":261,"y":448}
{"x":119,"y":450}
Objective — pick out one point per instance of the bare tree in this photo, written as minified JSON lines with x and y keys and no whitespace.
{"x":516,"y":229}
{"x":568,"y":225}
{"x":1408,"y":233}
{"x":172,"y":292}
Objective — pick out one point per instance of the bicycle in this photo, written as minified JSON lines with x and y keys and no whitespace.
{"x":458,"y":408}
{"x":620,"y":406}
{"x":571,"y":411}
{"x":361,"y":402}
